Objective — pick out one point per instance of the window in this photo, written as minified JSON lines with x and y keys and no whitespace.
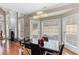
{"x":51,"y":28}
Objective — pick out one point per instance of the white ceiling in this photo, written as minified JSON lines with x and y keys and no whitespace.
{"x":27,"y":8}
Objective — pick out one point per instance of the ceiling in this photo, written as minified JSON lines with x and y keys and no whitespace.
{"x":27,"y":8}
{"x":31,"y":8}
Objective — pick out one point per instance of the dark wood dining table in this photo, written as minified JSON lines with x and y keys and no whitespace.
{"x":36,"y":49}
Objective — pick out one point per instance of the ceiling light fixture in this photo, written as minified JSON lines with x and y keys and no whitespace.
{"x":36,"y":17}
{"x":44,"y":15}
{"x":39,"y":12}
{"x":40,"y":16}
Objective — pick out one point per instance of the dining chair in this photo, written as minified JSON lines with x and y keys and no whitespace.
{"x":55,"y":53}
{"x":22,"y":43}
{"x":35,"y":49}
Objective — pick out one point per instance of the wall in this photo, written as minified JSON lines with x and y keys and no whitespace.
{"x":2,"y":19}
{"x":26,"y":26}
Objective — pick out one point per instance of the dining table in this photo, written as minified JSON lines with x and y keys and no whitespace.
{"x":50,"y":45}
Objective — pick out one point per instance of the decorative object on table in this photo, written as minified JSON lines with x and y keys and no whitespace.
{"x":45,"y":39}
{"x":41,"y":41}
{"x":45,"y":36}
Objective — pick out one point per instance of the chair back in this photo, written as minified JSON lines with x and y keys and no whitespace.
{"x":61,"y":49}
{"x":35,"y":49}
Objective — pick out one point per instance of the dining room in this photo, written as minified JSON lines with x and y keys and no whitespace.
{"x":39,"y":29}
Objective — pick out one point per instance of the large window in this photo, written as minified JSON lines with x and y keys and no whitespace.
{"x":34,"y":30}
{"x":71,"y":32}
{"x":8,"y":26}
{"x":51,"y":28}
{"x":2,"y":25}
{"x":11,"y":24}
{"x":21,"y":28}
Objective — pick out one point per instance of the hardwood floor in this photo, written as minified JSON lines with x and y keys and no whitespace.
{"x":14,"y":48}
{"x":11,"y":48}
{"x":68,"y":52}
